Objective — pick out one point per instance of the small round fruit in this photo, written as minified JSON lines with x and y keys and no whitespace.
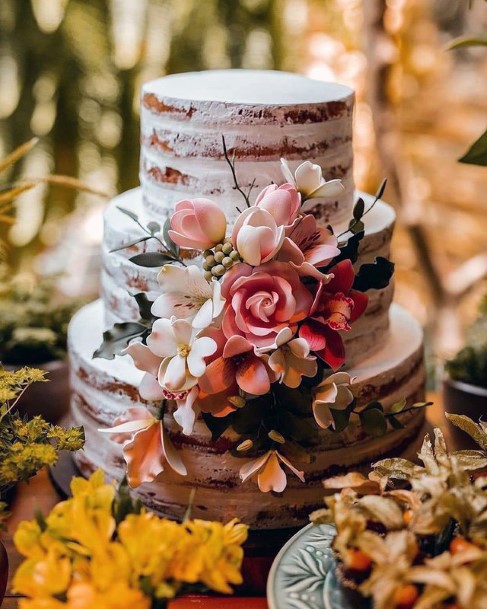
{"x":227,"y":248}
{"x":218,"y":270}
{"x":218,"y":247}
{"x":234,"y":255}
{"x":219,"y":257}
{"x":358,"y":560}
{"x":210,"y":260}
{"x":208,"y":275}
{"x":406,"y":596}
{"x":460,"y":544}
{"x":207,"y":253}
{"x":227,"y":262}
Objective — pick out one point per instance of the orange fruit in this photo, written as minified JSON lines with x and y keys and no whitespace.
{"x":460,"y":544}
{"x":408,"y":516}
{"x":406,"y":596}
{"x":358,"y":560}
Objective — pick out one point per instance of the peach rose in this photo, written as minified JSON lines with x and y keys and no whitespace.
{"x":264,"y":304}
{"x":197,"y":224}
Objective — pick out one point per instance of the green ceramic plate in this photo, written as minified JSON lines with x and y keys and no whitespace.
{"x":303,"y":573}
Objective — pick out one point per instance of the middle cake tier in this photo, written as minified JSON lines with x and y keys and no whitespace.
{"x":121,"y":279}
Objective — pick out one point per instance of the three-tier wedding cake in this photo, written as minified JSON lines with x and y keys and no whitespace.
{"x":270,"y":402}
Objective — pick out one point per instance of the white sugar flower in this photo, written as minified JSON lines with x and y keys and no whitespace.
{"x":292,"y":361}
{"x":188,"y":295}
{"x":183,"y":353}
{"x":270,"y":475}
{"x":333,"y":392}
{"x":309,"y":181}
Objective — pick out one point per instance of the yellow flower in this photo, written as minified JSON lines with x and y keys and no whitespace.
{"x":27,"y":540}
{"x":84,"y":595}
{"x":110,"y":567}
{"x":41,"y":603}
{"x":40,"y":578}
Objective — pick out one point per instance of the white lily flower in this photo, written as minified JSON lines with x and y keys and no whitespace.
{"x":188,"y":295}
{"x":292,"y":361}
{"x":333,"y":392}
{"x":183,"y":353}
{"x":270,"y":475}
{"x":309,"y":181}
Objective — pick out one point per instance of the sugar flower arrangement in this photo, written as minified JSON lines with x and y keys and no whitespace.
{"x":415,"y":536}
{"x":248,"y":336}
{"x":101,"y":550}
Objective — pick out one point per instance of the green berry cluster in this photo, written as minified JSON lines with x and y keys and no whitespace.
{"x":218,"y":260}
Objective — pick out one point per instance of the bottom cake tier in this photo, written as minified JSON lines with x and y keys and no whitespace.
{"x":103,"y":390}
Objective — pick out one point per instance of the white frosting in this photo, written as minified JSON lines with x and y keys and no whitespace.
{"x":247,"y":87}
{"x":102,"y":390}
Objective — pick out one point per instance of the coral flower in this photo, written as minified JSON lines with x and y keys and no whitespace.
{"x":336,"y":305}
{"x":197,"y":224}
{"x":239,"y":363}
{"x":270,"y":475}
{"x":148,"y":447}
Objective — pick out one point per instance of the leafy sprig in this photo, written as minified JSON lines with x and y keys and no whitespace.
{"x":231,"y":164}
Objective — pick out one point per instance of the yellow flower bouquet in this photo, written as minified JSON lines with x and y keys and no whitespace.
{"x":100,"y":550}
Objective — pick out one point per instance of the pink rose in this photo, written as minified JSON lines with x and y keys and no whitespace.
{"x":264,"y":304}
{"x":282,"y":202}
{"x":256,"y":236}
{"x":197,"y":224}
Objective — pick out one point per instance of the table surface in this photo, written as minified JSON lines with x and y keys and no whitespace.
{"x":39,"y":493}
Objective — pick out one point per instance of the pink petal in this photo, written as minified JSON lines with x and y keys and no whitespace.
{"x":344,"y":277}
{"x":314,"y":334}
{"x":361,"y":301}
{"x":172,"y":456}
{"x":236,"y":345}
{"x":252,"y":467}
{"x":144,"y":455}
{"x":143,"y":358}
{"x":295,"y":471}
{"x":334,"y":352}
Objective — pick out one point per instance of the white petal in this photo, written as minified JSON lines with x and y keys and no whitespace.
{"x":174,"y":373}
{"x":161,"y":340}
{"x":333,"y":188}
{"x":308,"y":177}
{"x":218,"y":300}
{"x":187,"y":410}
{"x":251,"y":467}
{"x":143,"y":358}
{"x":299,"y":347}
{"x":322,"y":415}
{"x":326,"y":393}
{"x":283,"y":336}
{"x":287,"y":173}
{"x":150,"y":389}
{"x":182,"y":331}
{"x":340,"y":378}
{"x":172,"y":456}
{"x":173,"y":304}
{"x":201,"y":348}
{"x":204,"y":316}
{"x":298,"y":473}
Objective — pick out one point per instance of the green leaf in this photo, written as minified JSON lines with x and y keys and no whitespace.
{"x":296,"y":427}
{"x":395,"y":423}
{"x":217,"y":425}
{"x":374,"y":422}
{"x":475,"y":40}
{"x":373,"y":406}
{"x":349,"y":249}
{"x":358,"y":210}
{"x":375,"y":275}
{"x":123,"y":504}
{"x":118,"y":338}
{"x":341,"y":418}
{"x":477,"y":153}
{"x":171,"y":246}
{"x":247,"y":420}
{"x":145,"y":306}
{"x":381,"y":189}
{"x":151,"y":259}
{"x":129,"y":213}
{"x":398,"y":406}
{"x":130,"y":244}
{"x":153,"y":227}
{"x":474,"y":430}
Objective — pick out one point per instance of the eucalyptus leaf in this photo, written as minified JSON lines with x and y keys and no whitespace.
{"x":477,"y":153}
{"x":119,"y":337}
{"x":374,"y":422}
{"x":349,"y":249}
{"x":247,"y":420}
{"x":381,"y":189}
{"x":395,"y":423}
{"x":375,"y":275}
{"x":358,"y":210}
{"x":171,"y":246}
{"x":296,"y":427}
{"x":145,"y":306}
{"x":130,"y":244}
{"x":153,"y":227}
{"x":341,"y":419}
{"x":217,"y":425}
{"x":152,"y":259}
{"x":398,"y":406}
{"x":129,"y":213}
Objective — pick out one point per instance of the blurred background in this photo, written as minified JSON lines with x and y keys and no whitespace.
{"x":70,"y":74}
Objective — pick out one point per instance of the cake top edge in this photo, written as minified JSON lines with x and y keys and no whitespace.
{"x":247,"y":87}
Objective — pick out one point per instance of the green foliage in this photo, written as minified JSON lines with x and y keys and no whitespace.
{"x":470,"y":364}
{"x":26,"y":445}
{"x":33,"y":326}
{"x":375,"y":275}
{"x":477,"y":153}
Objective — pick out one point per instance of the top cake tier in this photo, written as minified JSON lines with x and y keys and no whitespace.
{"x":263,"y":116}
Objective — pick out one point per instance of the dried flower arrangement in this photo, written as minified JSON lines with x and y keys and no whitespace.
{"x":248,"y":328}
{"x":412,"y":536}
{"x":26,"y":446}
{"x":99,"y":549}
